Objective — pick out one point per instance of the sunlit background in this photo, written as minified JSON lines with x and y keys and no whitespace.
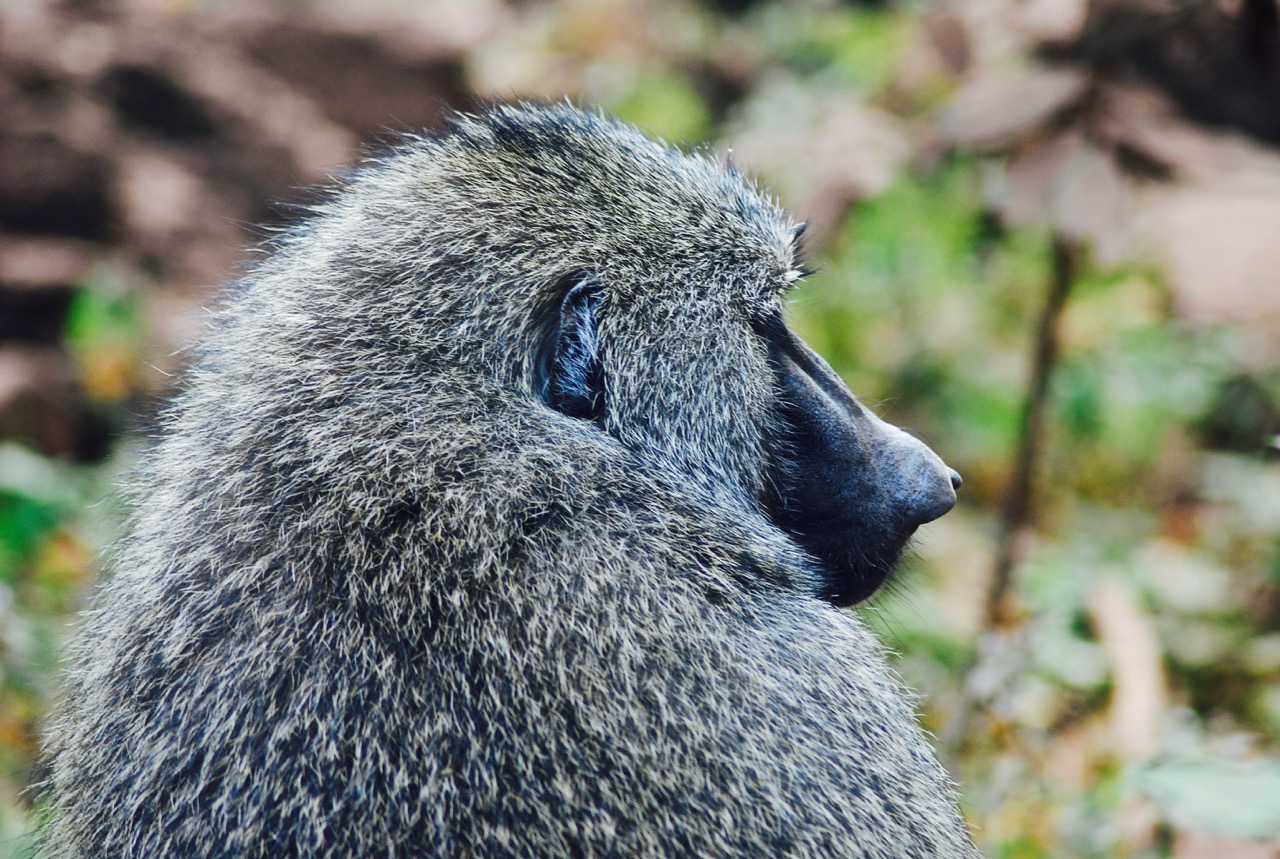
{"x":1047,"y":240}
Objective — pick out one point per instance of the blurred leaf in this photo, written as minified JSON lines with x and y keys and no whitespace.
{"x":1251,"y":487}
{"x":104,"y":333}
{"x":37,"y":498}
{"x":1079,"y":386}
{"x":1220,"y":249}
{"x":24,"y":522}
{"x":1068,"y":183}
{"x":860,"y":46}
{"x":992,"y":110}
{"x":33,"y":496}
{"x":1227,"y":797}
{"x":867,"y":46}
{"x":59,"y":571}
{"x":665,"y":104}
{"x":31,"y":475}
{"x":819,"y":146}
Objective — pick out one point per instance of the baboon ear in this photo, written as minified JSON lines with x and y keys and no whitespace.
{"x":572,"y":375}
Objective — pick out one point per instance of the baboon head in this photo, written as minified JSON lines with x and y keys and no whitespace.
{"x":633,"y":293}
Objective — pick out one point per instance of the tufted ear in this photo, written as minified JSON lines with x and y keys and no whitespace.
{"x":572,"y":375}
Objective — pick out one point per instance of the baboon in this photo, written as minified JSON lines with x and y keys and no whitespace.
{"x":502,"y":515}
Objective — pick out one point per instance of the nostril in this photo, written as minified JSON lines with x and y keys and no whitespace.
{"x":956,"y":480}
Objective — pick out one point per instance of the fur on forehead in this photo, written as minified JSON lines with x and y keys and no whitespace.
{"x":527,"y":181}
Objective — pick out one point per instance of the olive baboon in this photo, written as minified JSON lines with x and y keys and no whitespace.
{"x":503,"y":516}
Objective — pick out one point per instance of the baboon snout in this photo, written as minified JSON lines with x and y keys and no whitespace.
{"x":925,"y":485}
{"x":847,"y":486}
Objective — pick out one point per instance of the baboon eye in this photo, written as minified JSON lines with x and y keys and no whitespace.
{"x":572,"y":376}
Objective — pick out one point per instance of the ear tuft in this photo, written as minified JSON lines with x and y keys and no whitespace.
{"x":572,"y":373}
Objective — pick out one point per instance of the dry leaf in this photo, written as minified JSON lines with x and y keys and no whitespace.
{"x":995,"y":110}
{"x":1073,"y":184}
{"x":819,"y":150}
{"x":1051,"y":21}
{"x":1221,"y":248}
{"x":1144,"y":123}
{"x":1091,"y":203}
{"x":1198,"y":845}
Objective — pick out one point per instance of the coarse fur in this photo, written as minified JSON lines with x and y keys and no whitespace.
{"x":389,"y":591}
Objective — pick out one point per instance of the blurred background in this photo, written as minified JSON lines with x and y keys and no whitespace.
{"x":1047,"y":235}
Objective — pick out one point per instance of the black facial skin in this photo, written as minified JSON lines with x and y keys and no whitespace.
{"x":848,"y":487}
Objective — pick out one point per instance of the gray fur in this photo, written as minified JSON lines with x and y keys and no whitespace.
{"x":377,"y":599}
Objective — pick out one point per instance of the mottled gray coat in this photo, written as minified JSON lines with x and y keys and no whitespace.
{"x":377,"y":599}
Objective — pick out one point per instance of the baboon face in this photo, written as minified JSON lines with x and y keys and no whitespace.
{"x":847,"y":487}
{"x":649,"y":285}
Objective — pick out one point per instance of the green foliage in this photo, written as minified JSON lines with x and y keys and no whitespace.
{"x":1129,"y":385}
{"x":24,"y":522}
{"x":105,"y":310}
{"x":33,"y":501}
{"x":44,"y":566}
{"x":104,"y":333}
{"x":1227,"y":797}
{"x":860,"y":47}
{"x":665,"y":104}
